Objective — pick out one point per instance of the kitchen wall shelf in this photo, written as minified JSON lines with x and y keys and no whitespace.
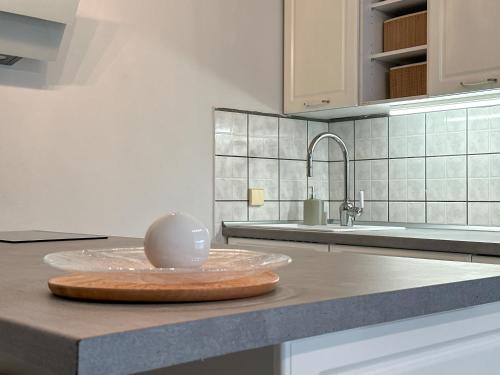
{"x":375,"y":64}
{"x":393,"y":7}
{"x":401,"y":55}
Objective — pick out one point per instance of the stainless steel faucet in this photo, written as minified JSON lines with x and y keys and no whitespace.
{"x":348,"y":211}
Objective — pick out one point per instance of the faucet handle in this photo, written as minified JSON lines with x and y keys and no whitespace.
{"x":361,"y":199}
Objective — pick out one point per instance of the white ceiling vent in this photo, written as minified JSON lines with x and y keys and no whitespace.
{"x":33,"y":28}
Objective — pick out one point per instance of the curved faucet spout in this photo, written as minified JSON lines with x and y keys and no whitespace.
{"x":345,"y":153}
{"x":348,"y":211}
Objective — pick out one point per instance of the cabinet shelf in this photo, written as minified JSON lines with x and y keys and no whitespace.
{"x":398,"y":6}
{"x":400,"y":55}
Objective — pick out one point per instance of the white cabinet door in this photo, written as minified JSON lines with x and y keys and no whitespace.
{"x":458,"y":342}
{"x":320,"y":54}
{"x":276,"y":245}
{"x":463,"y":45}
{"x":422,"y":254}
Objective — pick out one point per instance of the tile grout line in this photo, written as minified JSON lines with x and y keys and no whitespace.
{"x":467,"y":166}
{"x":369,"y":159}
{"x":389,"y":173}
{"x":279,"y":172}
{"x":248,"y":166}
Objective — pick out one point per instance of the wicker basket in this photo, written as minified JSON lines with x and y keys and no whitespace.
{"x":406,"y":31}
{"x":408,"y":80}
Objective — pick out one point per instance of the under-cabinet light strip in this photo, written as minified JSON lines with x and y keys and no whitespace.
{"x":461,"y":101}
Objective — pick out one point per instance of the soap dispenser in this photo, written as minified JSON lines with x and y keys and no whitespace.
{"x":313,"y":209}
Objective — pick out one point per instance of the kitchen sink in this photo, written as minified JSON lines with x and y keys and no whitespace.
{"x":328,"y":227}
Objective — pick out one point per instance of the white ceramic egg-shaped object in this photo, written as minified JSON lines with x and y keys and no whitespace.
{"x":177,"y":240}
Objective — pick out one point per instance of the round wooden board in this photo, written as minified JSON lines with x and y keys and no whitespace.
{"x":92,"y":287}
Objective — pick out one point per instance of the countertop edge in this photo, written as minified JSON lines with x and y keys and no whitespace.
{"x":375,"y":240}
{"x":164,"y":346}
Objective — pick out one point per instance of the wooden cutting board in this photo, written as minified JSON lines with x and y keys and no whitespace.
{"x":86,"y":286}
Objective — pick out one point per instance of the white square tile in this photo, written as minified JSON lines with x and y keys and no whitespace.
{"x":291,"y":210}
{"x":263,"y":174}
{"x":416,"y":212}
{"x":446,"y":132}
{"x":479,"y":166}
{"x":407,"y":135}
{"x":371,"y":137}
{"x":293,"y":180}
{"x":456,"y":213}
{"x":407,"y":179}
{"x":313,"y":129}
{"x":447,"y":213}
{"x":263,"y":136}
{"x":407,"y":212}
{"x":397,"y":169}
{"x":479,"y":189}
{"x":230,"y":211}
{"x":379,"y":211}
{"x":446,"y":178}
{"x":345,"y":130}
{"x":230,"y":133}
{"x":371,"y":176}
{"x":484,"y":213}
{"x":227,"y":211}
{"x":373,"y":211}
{"x":479,"y":213}
{"x":436,"y":213}
{"x":483,"y":177}
{"x":292,"y":139}
{"x":336,"y":183}
{"x":398,"y":190}
{"x":484,"y":130}
{"x":319,"y":181}
{"x":230,"y":178}
{"x":416,"y":168}
{"x":398,"y":212}
{"x":334,"y":210}
{"x":269,"y":211}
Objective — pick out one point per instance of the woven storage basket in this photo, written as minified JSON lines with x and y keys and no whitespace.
{"x":406,"y":31}
{"x":408,"y":80}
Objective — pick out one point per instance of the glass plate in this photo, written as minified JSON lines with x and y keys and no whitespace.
{"x":131,"y":264}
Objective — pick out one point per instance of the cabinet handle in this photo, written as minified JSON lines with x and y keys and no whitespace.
{"x":488,"y":81}
{"x":317,"y":104}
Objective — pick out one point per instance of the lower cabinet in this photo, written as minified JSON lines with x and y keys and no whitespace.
{"x":459,"y":342}
{"x":272,"y":244}
{"x":334,"y":248}
{"x":422,"y":254}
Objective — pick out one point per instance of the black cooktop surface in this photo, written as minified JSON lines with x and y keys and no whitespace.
{"x":22,"y":236}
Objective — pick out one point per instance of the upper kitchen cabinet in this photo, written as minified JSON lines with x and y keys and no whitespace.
{"x":463,"y":45}
{"x":320,"y":55}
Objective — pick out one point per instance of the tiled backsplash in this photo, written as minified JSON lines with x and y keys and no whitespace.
{"x":437,"y":167}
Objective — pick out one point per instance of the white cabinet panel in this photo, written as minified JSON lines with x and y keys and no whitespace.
{"x":463,"y":45}
{"x":276,"y":245}
{"x":459,"y":342}
{"x":423,"y":254}
{"x":320,"y":54}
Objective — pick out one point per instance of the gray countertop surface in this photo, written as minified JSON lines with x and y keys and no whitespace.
{"x":479,"y":242}
{"x":318,"y":293}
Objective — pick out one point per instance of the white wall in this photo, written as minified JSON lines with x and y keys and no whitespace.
{"x":119,"y":129}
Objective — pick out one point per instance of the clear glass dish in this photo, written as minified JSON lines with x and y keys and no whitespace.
{"x":131,"y":264}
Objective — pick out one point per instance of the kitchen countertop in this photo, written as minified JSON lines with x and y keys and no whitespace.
{"x":318,"y":293}
{"x":479,"y":242}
